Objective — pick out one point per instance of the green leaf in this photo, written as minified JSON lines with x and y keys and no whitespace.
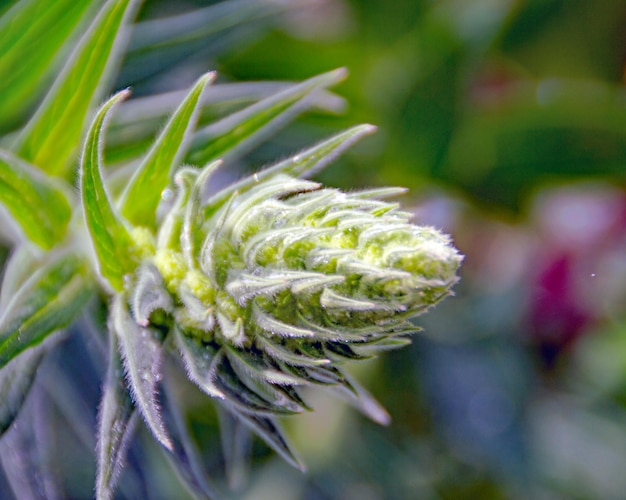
{"x":236,"y":448}
{"x":184,"y":456}
{"x":16,"y":379}
{"x":116,"y":423}
{"x":307,"y":162}
{"x":51,"y":137}
{"x":36,"y":203}
{"x":136,"y":122}
{"x":142,"y":352}
{"x":20,"y":266}
{"x":240,"y":131}
{"x":47,"y":302}
{"x":270,"y":431}
{"x":23,"y":69}
{"x":142,"y":195}
{"x":109,"y":235}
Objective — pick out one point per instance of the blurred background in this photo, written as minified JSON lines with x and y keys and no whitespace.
{"x":507,"y":121}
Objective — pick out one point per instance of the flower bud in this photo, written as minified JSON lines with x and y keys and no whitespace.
{"x":288,"y":279}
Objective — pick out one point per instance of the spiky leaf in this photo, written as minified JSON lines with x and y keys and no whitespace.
{"x":141,"y":197}
{"x":307,"y":162}
{"x":142,"y":352}
{"x":239,"y":130}
{"x":115,"y":425}
{"x":52,"y":135}
{"x":109,"y":235}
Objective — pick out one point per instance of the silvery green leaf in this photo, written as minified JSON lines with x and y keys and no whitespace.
{"x":116,"y":422}
{"x":16,"y":379}
{"x":193,"y":215}
{"x":171,"y":228}
{"x":274,"y":326}
{"x":236,"y":448}
{"x":270,"y":431}
{"x":38,"y":204}
{"x":240,"y":396}
{"x":269,"y":382}
{"x":339,"y":352}
{"x":308,"y":162}
{"x":184,"y":456}
{"x":24,"y":69}
{"x":198,"y":361}
{"x":52,"y":135}
{"x":149,"y":294}
{"x":48,"y":301}
{"x":26,"y":453}
{"x":361,"y":399}
{"x":275,"y":348}
{"x":199,"y":23}
{"x":332,"y":300}
{"x":142,"y":195}
{"x":141,"y":350}
{"x":110,"y":237}
{"x":255,"y":365}
{"x":21,"y":265}
{"x":241,"y":130}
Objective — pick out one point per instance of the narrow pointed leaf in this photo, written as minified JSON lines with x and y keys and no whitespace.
{"x":16,"y":379}
{"x":236,"y":448}
{"x":362,"y":400}
{"x":142,"y":195}
{"x":24,"y":69}
{"x":51,"y":137}
{"x":141,"y":352}
{"x":149,"y":294}
{"x":47,"y":302}
{"x":198,"y":361}
{"x":270,"y":431}
{"x":240,"y":130}
{"x":20,"y":266}
{"x":307,"y":162}
{"x":184,"y":455}
{"x":36,"y":203}
{"x":110,"y":237}
{"x":26,"y":460}
{"x":116,"y":423}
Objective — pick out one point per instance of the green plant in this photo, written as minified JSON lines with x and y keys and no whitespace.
{"x":259,"y":288}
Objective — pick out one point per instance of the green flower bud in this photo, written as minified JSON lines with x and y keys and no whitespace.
{"x":282,"y":283}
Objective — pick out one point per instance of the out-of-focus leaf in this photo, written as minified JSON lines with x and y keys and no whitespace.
{"x":52,"y":135}
{"x":109,"y":235}
{"x":269,"y":430}
{"x":239,"y":131}
{"x":142,"y":352}
{"x":306,"y":163}
{"x":35,"y":202}
{"x":196,"y":33}
{"x":116,"y":423}
{"x":25,"y":456}
{"x":16,"y":379}
{"x":362,"y":400}
{"x":47,"y":302}
{"x":24,"y":60}
{"x":202,"y":22}
{"x":142,"y":195}
{"x":236,"y":447}
{"x":184,"y":456}
{"x":135,"y":123}
{"x":20,"y":266}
